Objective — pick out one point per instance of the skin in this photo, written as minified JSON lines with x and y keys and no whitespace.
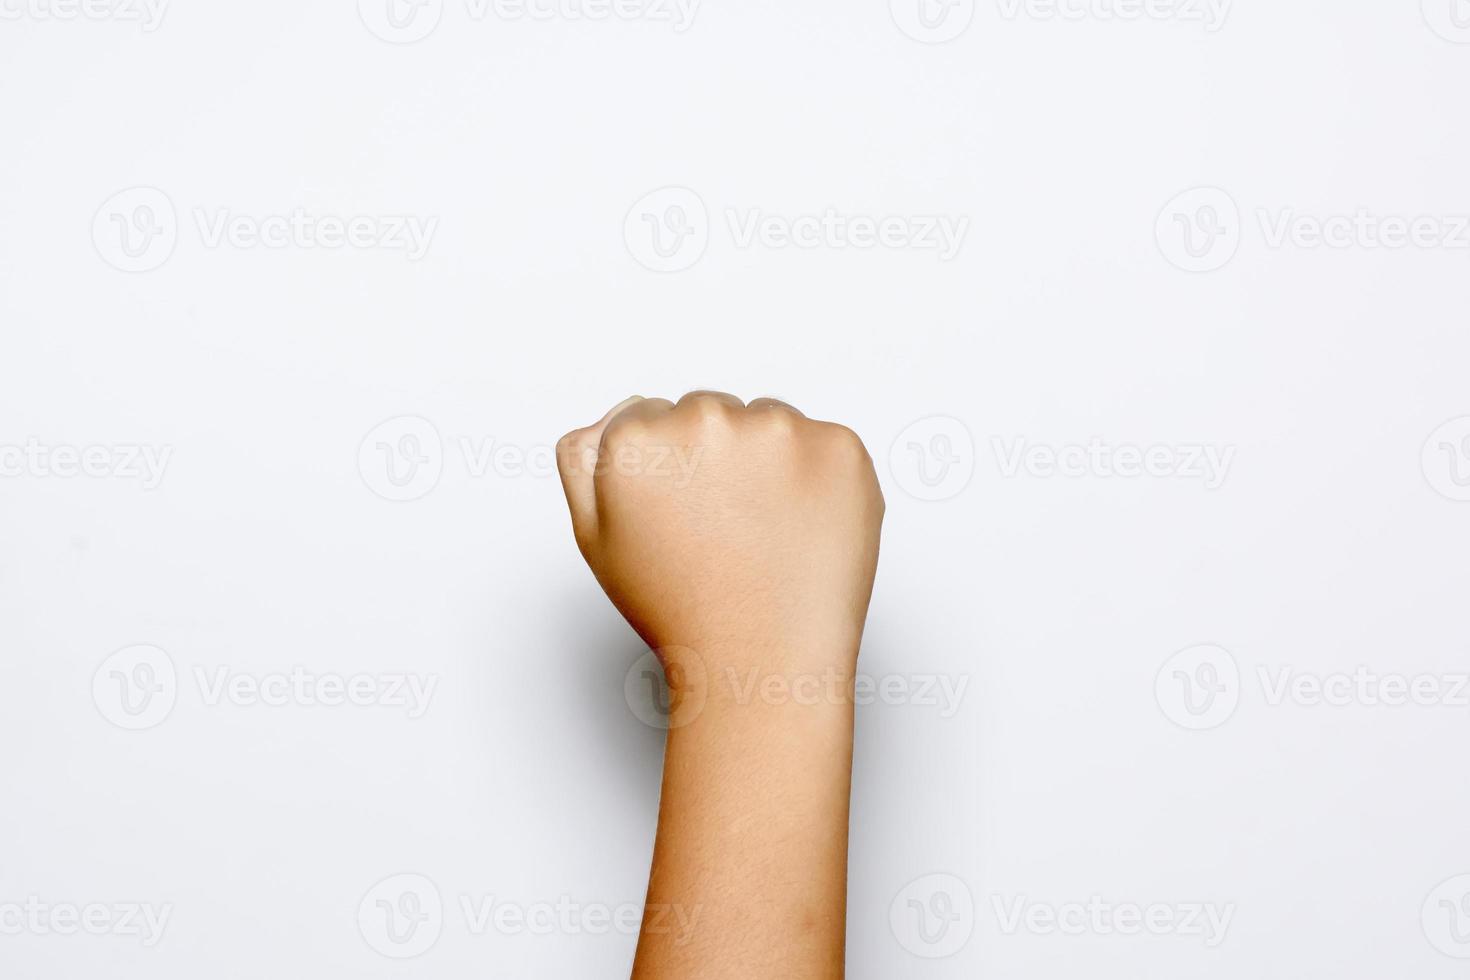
{"x":741,"y":543}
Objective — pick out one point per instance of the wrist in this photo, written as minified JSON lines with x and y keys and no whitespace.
{"x":721,"y":690}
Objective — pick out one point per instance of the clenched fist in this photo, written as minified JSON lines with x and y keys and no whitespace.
{"x":748,"y":533}
{"x":740,"y":541}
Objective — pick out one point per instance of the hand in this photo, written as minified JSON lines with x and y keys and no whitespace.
{"x":739,"y":541}
{"x":748,"y":534}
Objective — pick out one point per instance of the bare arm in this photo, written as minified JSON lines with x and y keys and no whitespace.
{"x":747,"y":563}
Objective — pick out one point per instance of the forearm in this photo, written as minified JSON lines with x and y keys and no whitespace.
{"x":751,"y":848}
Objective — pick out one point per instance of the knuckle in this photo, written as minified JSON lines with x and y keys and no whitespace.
{"x":707,"y":403}
{"x":568,"y":443}
{"x":782,"y":422}
{"x":846,"y":442}
{"x":626,"y":431}
{"x":570,"y":449}
{"x":618,"y":432}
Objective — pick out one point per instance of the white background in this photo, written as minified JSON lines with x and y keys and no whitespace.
{"x":1335,"y":540}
